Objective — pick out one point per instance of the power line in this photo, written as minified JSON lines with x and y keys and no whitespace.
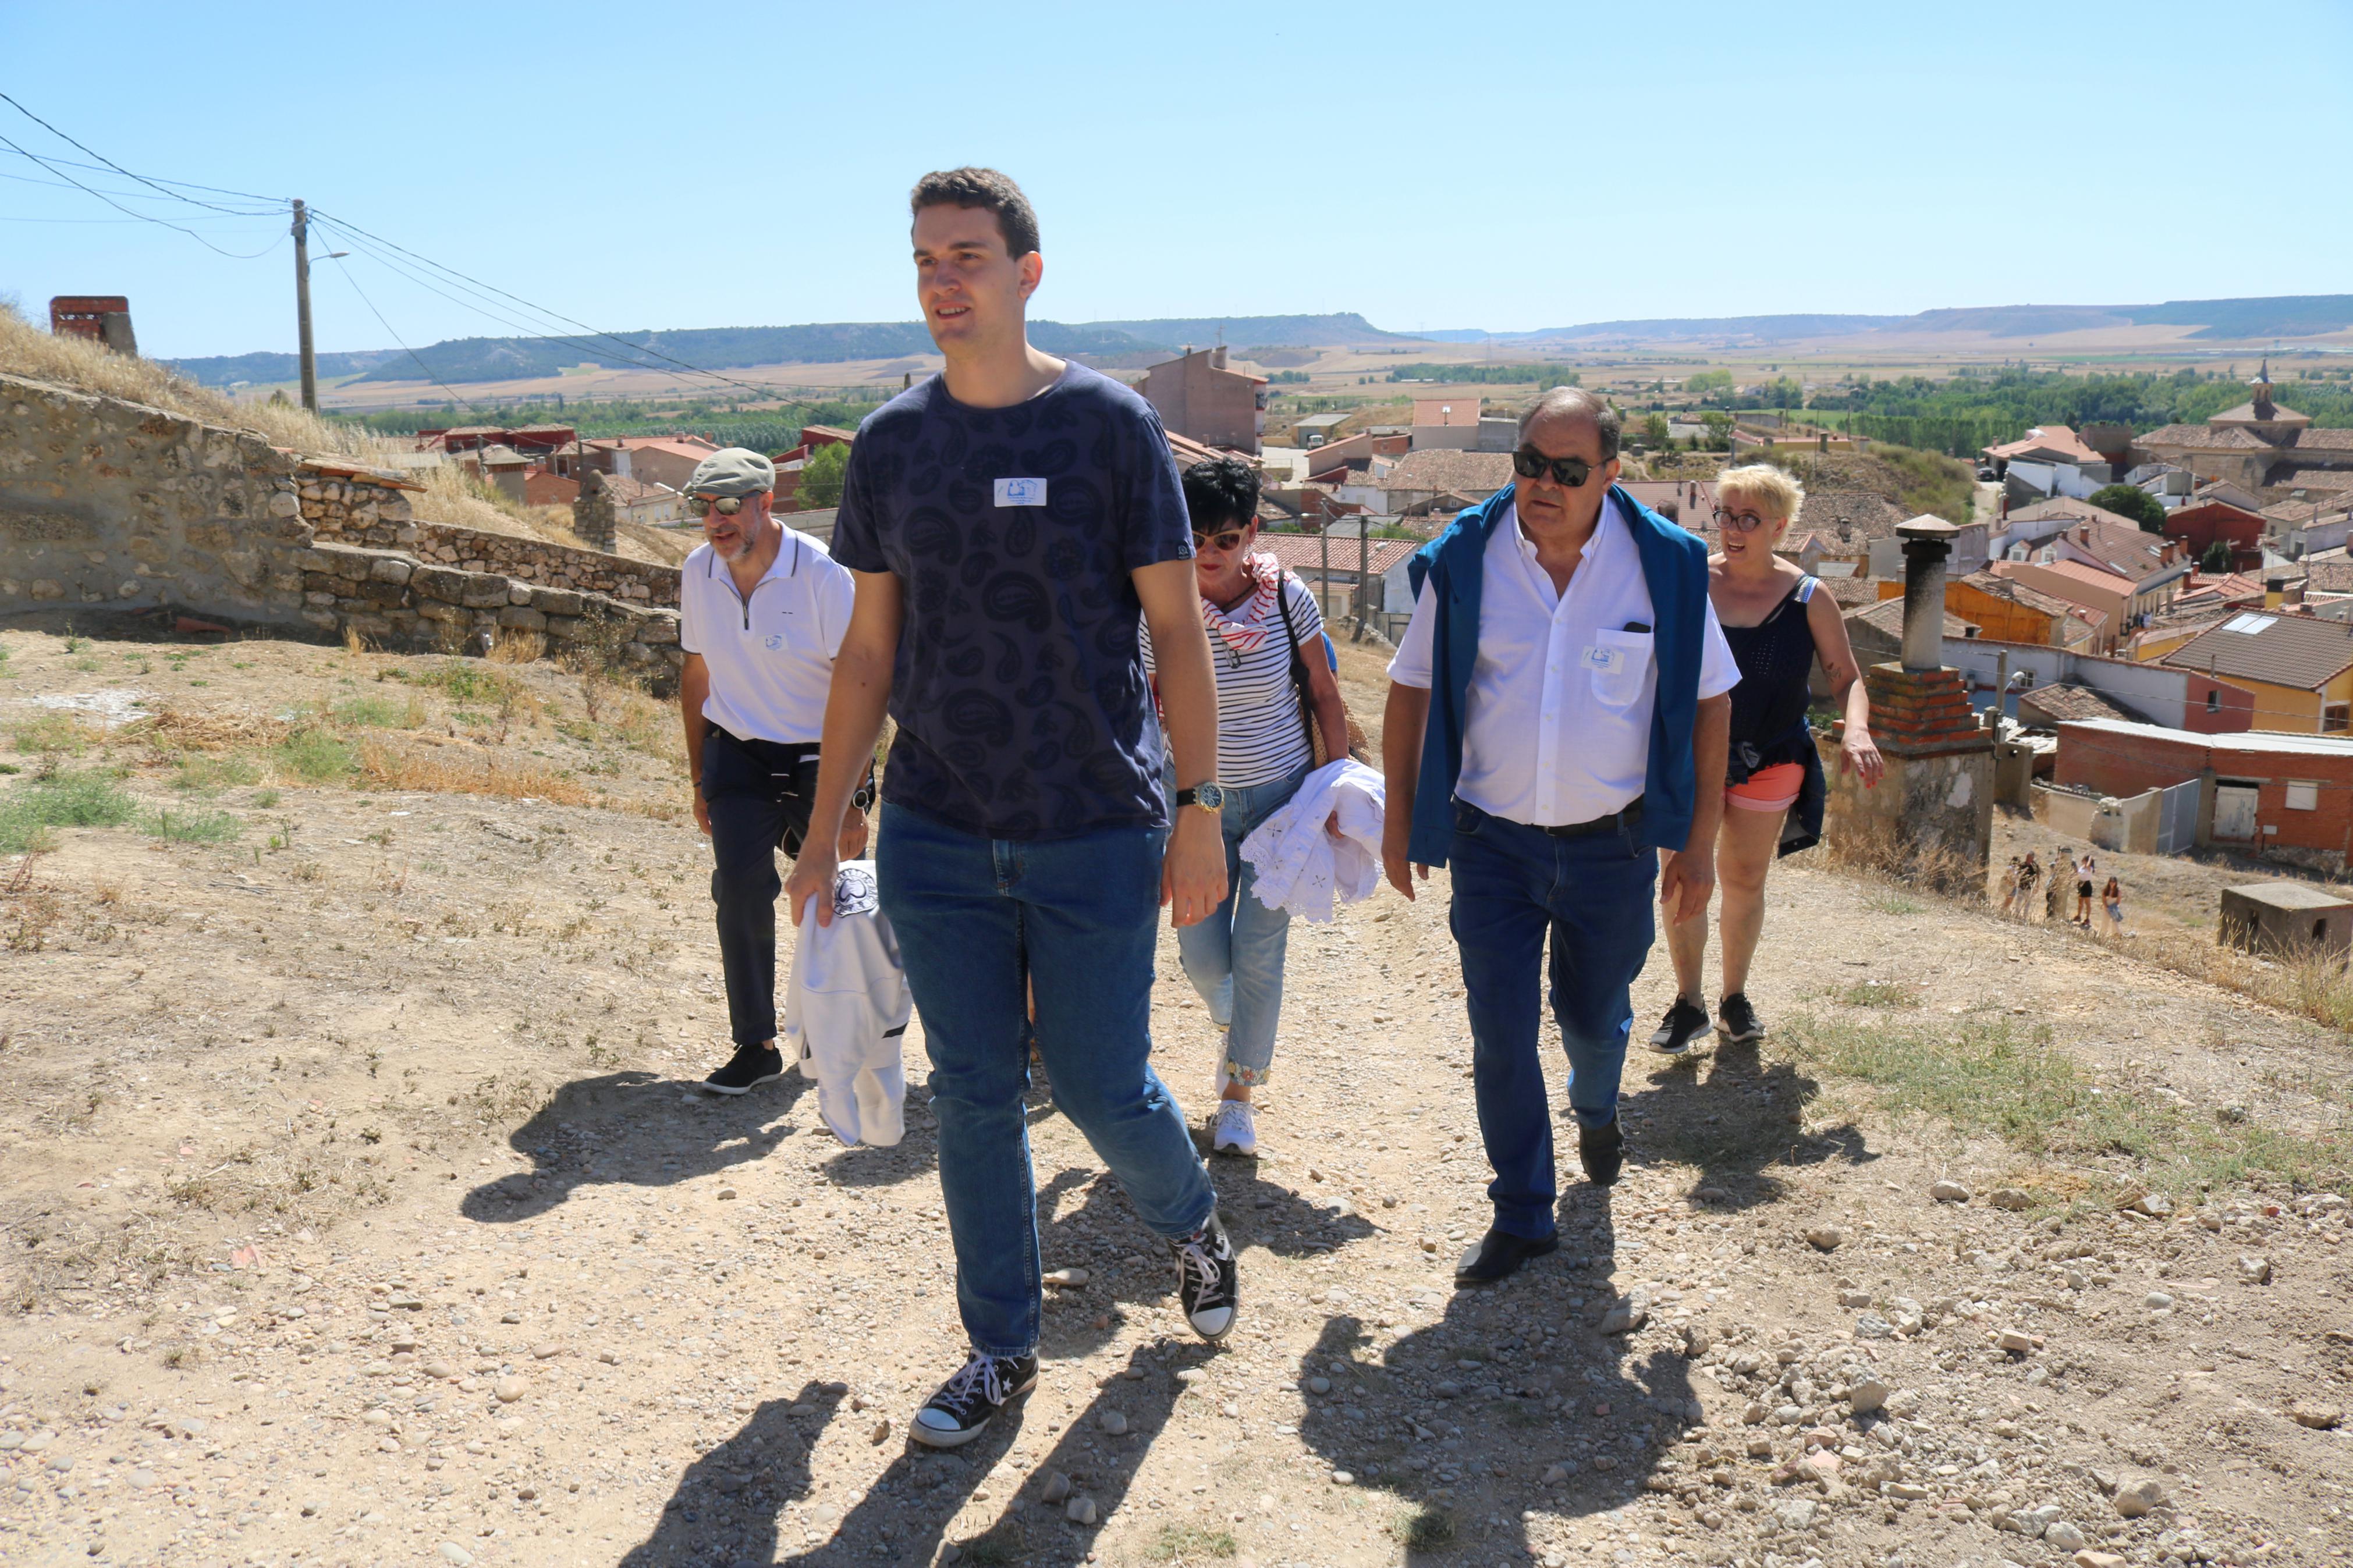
{"x":102,"y":158}
{"x":395,"y":336}
{"x":143,"y":217}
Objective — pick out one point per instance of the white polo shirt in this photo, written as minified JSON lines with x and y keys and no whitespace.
{"x":770,"y":654}
{"x":1558,"y":727}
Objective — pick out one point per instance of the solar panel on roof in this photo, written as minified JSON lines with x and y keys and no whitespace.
{"x":2248,"y":624}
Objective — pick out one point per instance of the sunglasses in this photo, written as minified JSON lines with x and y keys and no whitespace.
{"x":1229,"y":540}
{"x":1739,"y":521}
{"x":726,"y":506}
{"x":1530,"y":464}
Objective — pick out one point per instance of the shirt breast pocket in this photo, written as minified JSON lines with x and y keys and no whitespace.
{"x":1620,"y":664}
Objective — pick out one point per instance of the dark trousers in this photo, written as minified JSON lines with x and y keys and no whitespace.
{"x":1514,"y":885}
{"x":758,"y":793}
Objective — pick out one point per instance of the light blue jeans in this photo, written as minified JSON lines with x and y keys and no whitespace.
{"x":978,"y":919}
{"x":1234,"y":958}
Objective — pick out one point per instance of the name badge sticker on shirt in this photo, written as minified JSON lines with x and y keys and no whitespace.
{"x":1021,"y":492}
{"x":1608,"y":660}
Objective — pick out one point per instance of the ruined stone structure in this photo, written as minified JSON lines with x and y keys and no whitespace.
{"x":593,"y":515}
{"x":1932,"y":816}
{"x":112,"y":506}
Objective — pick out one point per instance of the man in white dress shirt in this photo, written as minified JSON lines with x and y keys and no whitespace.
{"x":1557,"y":726}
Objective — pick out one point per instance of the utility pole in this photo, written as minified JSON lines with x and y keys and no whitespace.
{"x":302,"y":307}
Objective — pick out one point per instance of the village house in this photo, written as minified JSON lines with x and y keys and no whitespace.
{"x":2012,"y":611}
{"x":1419,"y":477}
{"x":2177,"y":698}
{"x":2298,"y":528}
{"x":1199,"y":398}
{"x":1458,"y":423}
{"x":533,"y":441}
{"x":2257,"y":790}
{"x":2200,"y":524}
{"x":1315,"y":430}
{"x":1354,"y":559}
{"x":2053,"y":460}
{"x":634,"y":500}
{"x":2299,"y":667}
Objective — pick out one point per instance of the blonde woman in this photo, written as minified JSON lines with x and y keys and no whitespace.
{"x":1776,"y":622}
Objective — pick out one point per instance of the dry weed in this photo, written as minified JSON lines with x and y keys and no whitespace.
{"x":417,"y":768}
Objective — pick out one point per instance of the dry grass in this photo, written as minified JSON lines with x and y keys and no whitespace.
{"x":390,"y":766}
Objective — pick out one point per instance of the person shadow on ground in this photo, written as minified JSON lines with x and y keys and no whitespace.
{"x":1737,"y":1118}
{"x":631,"y":1129}
{"x":1525,"y":1395}
{"x":727,"y":1505}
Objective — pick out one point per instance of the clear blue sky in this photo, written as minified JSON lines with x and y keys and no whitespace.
{"x":1503,"y":165}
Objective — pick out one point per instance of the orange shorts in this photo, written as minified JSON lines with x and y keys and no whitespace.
{"x":1768,"y":789}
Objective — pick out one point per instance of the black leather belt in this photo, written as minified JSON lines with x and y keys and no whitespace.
{"x":1625,"y":817}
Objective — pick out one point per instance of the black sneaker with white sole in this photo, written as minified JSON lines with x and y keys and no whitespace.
{"x":1206,"y":1282}
{"x":749,"y":1065}
{"x":1685,"y":1021}
{"x":1737,"y":1021}
{"x":969,"y":1401}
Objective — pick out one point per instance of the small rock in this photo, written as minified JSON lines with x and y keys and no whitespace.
{"x":2137,"y":1498}
{"x":1949,"y":1191}
{"x":1068,"y":1278}
{"x":1079,"y":1511}
{"x":2157,"y":1205}
{"x":1798,"y":1515}
{"x":1112,"y":1422}
{"x":453,"y":1554}
{"x":527,"y":1494}
{"x":882,"y":1432}
{"x":541,"y":1353}
{"x":1318,"y":1385}
{"x":2011,"y":1198}
{"x":610,"y":1358}
{"x":1871,"y":1326}
{"x":2090,"y":1558}
{"x":1854,"y":1298}
{"x":2062,"y":1536}
{"x":2157,"y":1301}
{"x":509,"y":1389}
{"x":389,"y":1444}
{"x":510,"y":1317}
{"x":1826,"y":1236}
{"x":1558,"y":1473}
{"x":1343,"y":1478}
{"x":440,"y":1370}
{"x":1755,"y":1412}
{"x":1627,"y":1315}
{"x":2254,"y":1270}
{"x":142,"y":1478}
{"x":2015,"y":1341}
{"x":1868,"y":1397}
{"x":726,"y":1194}
{"x":1057,"y":1488}
{"x":2319,"y":1417}
{"x":1901,"y":1405}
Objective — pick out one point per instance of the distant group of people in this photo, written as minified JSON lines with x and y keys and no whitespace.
{"x":1104,"y":693}
{"x":2025,"y":873}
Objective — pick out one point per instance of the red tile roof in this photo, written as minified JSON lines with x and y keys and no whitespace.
{"x":1305,"y":550}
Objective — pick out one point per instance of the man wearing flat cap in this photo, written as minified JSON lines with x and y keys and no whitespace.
{"x":762,"y":610}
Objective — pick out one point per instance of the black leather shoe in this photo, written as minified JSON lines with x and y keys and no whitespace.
{"x":1500,"y":1257}
{"x":1601,"y":1150}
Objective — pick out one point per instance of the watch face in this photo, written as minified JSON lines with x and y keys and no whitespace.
{"x":1210,"y":796}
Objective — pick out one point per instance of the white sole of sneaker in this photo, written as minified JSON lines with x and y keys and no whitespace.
{"x":723,"y":1088}
{"x":939,"y":1438}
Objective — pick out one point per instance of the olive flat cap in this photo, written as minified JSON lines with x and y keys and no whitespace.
{"x":732,"y":471}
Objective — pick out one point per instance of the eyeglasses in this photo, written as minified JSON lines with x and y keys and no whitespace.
{"x":1229,"y":540}
{"x":1739,"y":521}
{"x":726,"y":506}
{"x":1529,"y":464}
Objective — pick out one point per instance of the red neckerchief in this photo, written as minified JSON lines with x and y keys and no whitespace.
{"x":1245,"y":631}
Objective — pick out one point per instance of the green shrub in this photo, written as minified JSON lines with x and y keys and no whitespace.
{"x":315,"y":756}
{"x":60,"y":800}
{"x":192,"y":827}
{"x":203,"y":776}
{"x":52,"y":732}
{"x":378,"y":713}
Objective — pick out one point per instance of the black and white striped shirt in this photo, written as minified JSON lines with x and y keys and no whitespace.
{"x":1262,"y":728}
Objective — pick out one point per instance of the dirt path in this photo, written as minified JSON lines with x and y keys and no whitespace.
{"x":358,"y":1212}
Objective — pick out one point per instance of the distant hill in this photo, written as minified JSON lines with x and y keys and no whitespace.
{"x":1677,"y":328}
{"x":1346,"y":329}
{"x":2281,"y":316}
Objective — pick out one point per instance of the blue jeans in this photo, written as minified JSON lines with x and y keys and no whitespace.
{"x":1234,"y":958}
{"x":976,"y":917}
{"x":1514,"y":884}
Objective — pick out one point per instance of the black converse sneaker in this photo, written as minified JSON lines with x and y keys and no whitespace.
{"x":749,"y":1065}
{"x":967,"y":1402}
{"x":1205,"y":1281}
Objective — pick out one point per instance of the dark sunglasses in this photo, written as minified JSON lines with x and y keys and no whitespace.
{"x":1229,"y":540}
{"x":726,"y":506}
{"x":1530,"y":464}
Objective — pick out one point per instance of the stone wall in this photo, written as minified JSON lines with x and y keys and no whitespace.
{"x":353,"y":508}
{"x":111,"y":504}
{"x":119,"y":506}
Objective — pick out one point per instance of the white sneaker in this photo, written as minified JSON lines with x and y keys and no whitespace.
{"x":1237,"y":1131}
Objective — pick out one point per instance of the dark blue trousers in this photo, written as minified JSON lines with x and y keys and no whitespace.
{"x":759,"y":794}
{"x":1512,"y":886}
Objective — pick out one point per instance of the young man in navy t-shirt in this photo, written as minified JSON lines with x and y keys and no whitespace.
{"x":1009,"y":522}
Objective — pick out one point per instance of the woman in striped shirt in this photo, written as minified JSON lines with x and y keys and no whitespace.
{"x":1266,"y":638}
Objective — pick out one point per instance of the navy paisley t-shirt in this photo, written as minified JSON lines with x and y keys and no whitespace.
{"x":1017,"y":688}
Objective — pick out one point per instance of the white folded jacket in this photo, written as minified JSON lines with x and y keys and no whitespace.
{"x":1304,"y":869}
{"x":846,"y":1010}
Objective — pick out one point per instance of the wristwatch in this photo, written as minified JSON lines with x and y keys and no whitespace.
{"x":1208,"y":796}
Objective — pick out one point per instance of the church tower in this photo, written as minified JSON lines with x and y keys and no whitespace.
{"x":2262,"y":388}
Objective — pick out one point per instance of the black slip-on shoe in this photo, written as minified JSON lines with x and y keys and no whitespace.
{"x":749,"y":1065}
{"x":1602,"y":1152}
{"x":1500,"y":1256}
